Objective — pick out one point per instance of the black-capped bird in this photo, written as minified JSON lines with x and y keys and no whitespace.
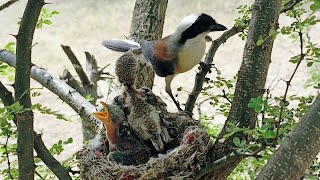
{"x":176,"y":53}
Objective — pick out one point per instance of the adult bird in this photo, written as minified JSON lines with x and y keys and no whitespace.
{"x":176,"y":53}
{"x":123,"y":150}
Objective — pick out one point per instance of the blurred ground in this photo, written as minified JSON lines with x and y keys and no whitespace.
{"x":83,"y":25}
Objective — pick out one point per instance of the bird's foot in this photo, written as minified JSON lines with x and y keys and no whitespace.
{"x":206,"y":67}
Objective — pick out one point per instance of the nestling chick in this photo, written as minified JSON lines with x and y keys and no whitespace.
{"x":126,"y":69}
{"x":124,"y":151}
{"x":144,"y":119}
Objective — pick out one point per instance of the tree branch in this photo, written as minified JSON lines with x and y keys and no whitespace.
{"x":251,"y":78}
{"x":234,"y":156}
{"x":71,"y":81}
{"x":200,"y":77}
{"x":89,"y":81}
{"x":7,"y":4}
{"x":45,"y":155}
{"x":92,"y":68}
{"x":289,"y":5}
{"x":8,"y":157}
{"x":74,"y":99}
{"x":42,"y":151}
{"x":22,"y":87}
{"x":283,"y":100}
{"x":76,"y":64}
{"x":297,"y":151}
{"x":5,"y":95}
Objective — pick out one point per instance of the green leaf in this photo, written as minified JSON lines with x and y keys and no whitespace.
{"x":315,"y":6}
{"x":284,"y":103}
{"x":309,"y":64}
{"x":48,"y":22}
{"x":259,"y":42}
{"x":265,"y":126}
{"x":89,"y":97}
{"x":236,"y":141}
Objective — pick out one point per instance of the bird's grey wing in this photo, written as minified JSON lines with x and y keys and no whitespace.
{"x":162,"y":67}
{"x":120,"y":45}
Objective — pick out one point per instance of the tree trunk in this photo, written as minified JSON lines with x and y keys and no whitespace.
{"x":298,"y":150}
{"x":22,"y":89}
{"x":251,"y":77}
{"x":147,"y":23}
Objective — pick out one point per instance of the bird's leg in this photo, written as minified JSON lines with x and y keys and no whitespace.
{"x":175,"y":101}
{"x":206,"y":66}
{"x":168,"y":80}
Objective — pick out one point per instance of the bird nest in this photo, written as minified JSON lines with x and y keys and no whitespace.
{"x":182,"y":158}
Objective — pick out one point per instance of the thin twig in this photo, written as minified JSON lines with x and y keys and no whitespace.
{"x":76,"y":64}
{"x":38,"y":174}
{"x":200,"y":77}
{"x":44,"y":154}
{"x":289,"y":5}
{"x":7,"y":4}
{"x":225,"y":96}
{"x":289,"y":83}
{"x":7,"y":154}
{"x":200,"y":104}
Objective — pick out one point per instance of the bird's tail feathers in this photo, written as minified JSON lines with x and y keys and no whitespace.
{"x":120,"y":45}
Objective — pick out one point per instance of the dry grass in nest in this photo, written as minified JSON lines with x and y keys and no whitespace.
{"x":182,"y":162}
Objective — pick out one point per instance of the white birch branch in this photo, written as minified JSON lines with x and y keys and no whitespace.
{"x":66,"y":93}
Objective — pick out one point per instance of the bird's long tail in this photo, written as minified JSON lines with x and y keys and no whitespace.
{"x":120,"y":45}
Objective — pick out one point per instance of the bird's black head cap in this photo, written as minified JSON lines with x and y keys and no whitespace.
{"x":203,"y":23}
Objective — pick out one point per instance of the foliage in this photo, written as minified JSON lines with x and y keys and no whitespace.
{"x":8,"y":129}
{"x":270,"y":107}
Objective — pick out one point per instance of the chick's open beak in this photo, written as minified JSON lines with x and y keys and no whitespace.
{"x":103,"y":116}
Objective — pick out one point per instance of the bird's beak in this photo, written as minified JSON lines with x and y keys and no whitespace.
{"x":103,"y":116}
{"x":100,"y":115}
{"x":217,"y":27}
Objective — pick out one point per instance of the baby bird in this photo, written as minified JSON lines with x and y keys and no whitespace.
{"x":126,"y":151}
{"x":126,"y":69}
{"x":144,"y":119}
